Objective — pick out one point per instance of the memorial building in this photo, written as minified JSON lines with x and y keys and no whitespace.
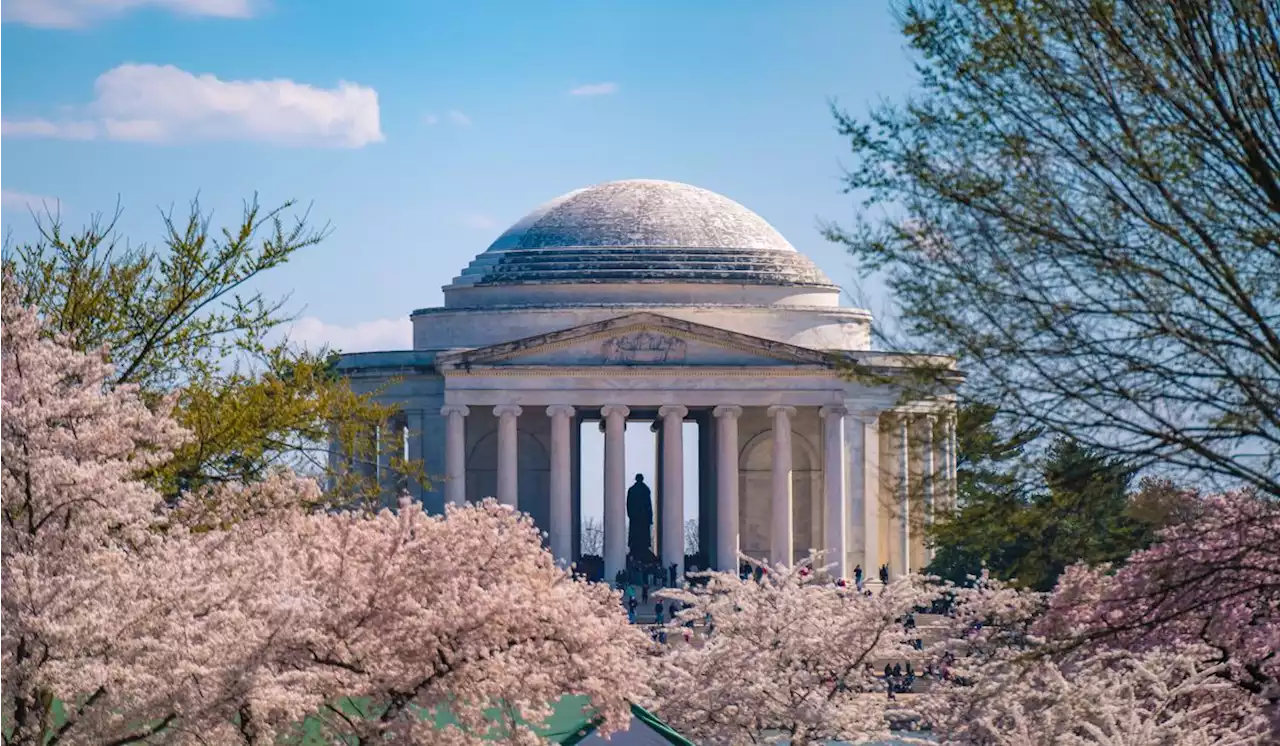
{"x":656,"y":301}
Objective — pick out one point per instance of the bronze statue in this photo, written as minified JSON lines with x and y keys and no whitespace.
{"x":640,"y":516}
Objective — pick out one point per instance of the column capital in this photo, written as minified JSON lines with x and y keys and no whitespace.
{"x":673,"y":410}
{"x":833,"y":410}
{"x":560,"y":410}
{"x":931,"y":418}
{"x":508,"y":409}
{"x":449,"y":409}
{"x":778,"y":409}
{"x":865,"y":416}
{"x":731,"y":411}
{"x":609,"y":410}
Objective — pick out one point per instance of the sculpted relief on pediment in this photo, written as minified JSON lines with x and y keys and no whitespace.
{"x":635,"y":346}
{"x":645,"y":347}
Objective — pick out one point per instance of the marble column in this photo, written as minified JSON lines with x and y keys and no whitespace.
{"x":673,"y":487}
{"x":864,"y":464}
{"x":337,"y":465}
{"x":415,"y":425}
{"x":836,"y":522}
{"x":382,"y":456}
{"x":655,"y":531}
{"x":953,"y":456}
{"x":508,"y":456}
{"x":904,"y":498}
{"x":561,"y":518}
{"x":727,"y":487}
{"x":455,"y":453}
{"x":615,"y":489}
{"x":928,"y":483}
{"x":782,"y":534}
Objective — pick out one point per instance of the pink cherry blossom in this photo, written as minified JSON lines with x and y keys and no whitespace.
{"x":236,"y":614}
{"x":791,"y":657}
{"x":1013,"y":679}
{"x":1213,"y":583}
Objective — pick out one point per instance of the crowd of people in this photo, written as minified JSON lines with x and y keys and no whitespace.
{"x":900,"y":680}
{"x":647,"y":574}
{"x":663,"y":612}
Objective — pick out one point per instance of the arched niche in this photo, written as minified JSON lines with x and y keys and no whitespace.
{"x":534,"y":484}
{"x":755,"y":490}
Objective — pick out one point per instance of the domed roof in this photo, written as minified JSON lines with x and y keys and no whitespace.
{"x":641,"y":230}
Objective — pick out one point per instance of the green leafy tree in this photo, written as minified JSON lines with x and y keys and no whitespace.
{"x":183,"y":321}
{"x":1081,"y":200}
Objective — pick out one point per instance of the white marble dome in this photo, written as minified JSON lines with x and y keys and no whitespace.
{"x":641,"y":246}
{"x":642,"y":213}
{"x":641,"y":231}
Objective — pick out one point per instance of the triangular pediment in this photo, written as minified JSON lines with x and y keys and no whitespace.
{"x":643,"y":339}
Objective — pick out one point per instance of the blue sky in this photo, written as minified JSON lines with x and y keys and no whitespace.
{"x":419,"y":130}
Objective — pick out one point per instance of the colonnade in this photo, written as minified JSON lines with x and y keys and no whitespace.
{"x":852,"y":480}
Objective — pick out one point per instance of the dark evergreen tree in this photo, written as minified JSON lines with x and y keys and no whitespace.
{"x":1026,"y":519}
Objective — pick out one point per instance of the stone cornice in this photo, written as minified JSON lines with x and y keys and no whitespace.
{"x":612,"y":371}
{"x":638,"y":307}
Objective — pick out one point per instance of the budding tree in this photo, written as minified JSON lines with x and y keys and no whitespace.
{"x":1084,"y":205}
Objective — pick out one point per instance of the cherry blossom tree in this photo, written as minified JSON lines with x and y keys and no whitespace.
{"x":790,"y":657}
{"x":1004,"y":683}
{"x":235,"y":614}
{"x":1106,"y":698}
{"x":418,"y":611}
{"x":74,"y":519}
{"x":1212,"y":583}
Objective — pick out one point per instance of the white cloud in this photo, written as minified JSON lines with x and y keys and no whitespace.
{"x":153,"y":103}
{"x":594,"y":89}
{"x":80,"y":13}
{"x":478,"y":220}
{"x":68,"y":130}
{"x":11,"y":200}
{"x":381,"y":334}
{"x":455,"y":117}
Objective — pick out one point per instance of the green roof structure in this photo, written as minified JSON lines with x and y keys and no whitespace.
{"x":571,"y":723}
{"x":566,"y":729}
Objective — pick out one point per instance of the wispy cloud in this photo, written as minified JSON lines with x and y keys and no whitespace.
{"x":478,"y":220}
{"x":12,"y":200}
{"x":152,"y":103}
{"x":594,"y":89}
{"x":81,"y":13}
{"x":455,"y":117}
{"x":312,"y":334}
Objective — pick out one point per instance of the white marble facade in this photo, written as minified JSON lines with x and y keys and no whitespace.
{"x":660,"y":301}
